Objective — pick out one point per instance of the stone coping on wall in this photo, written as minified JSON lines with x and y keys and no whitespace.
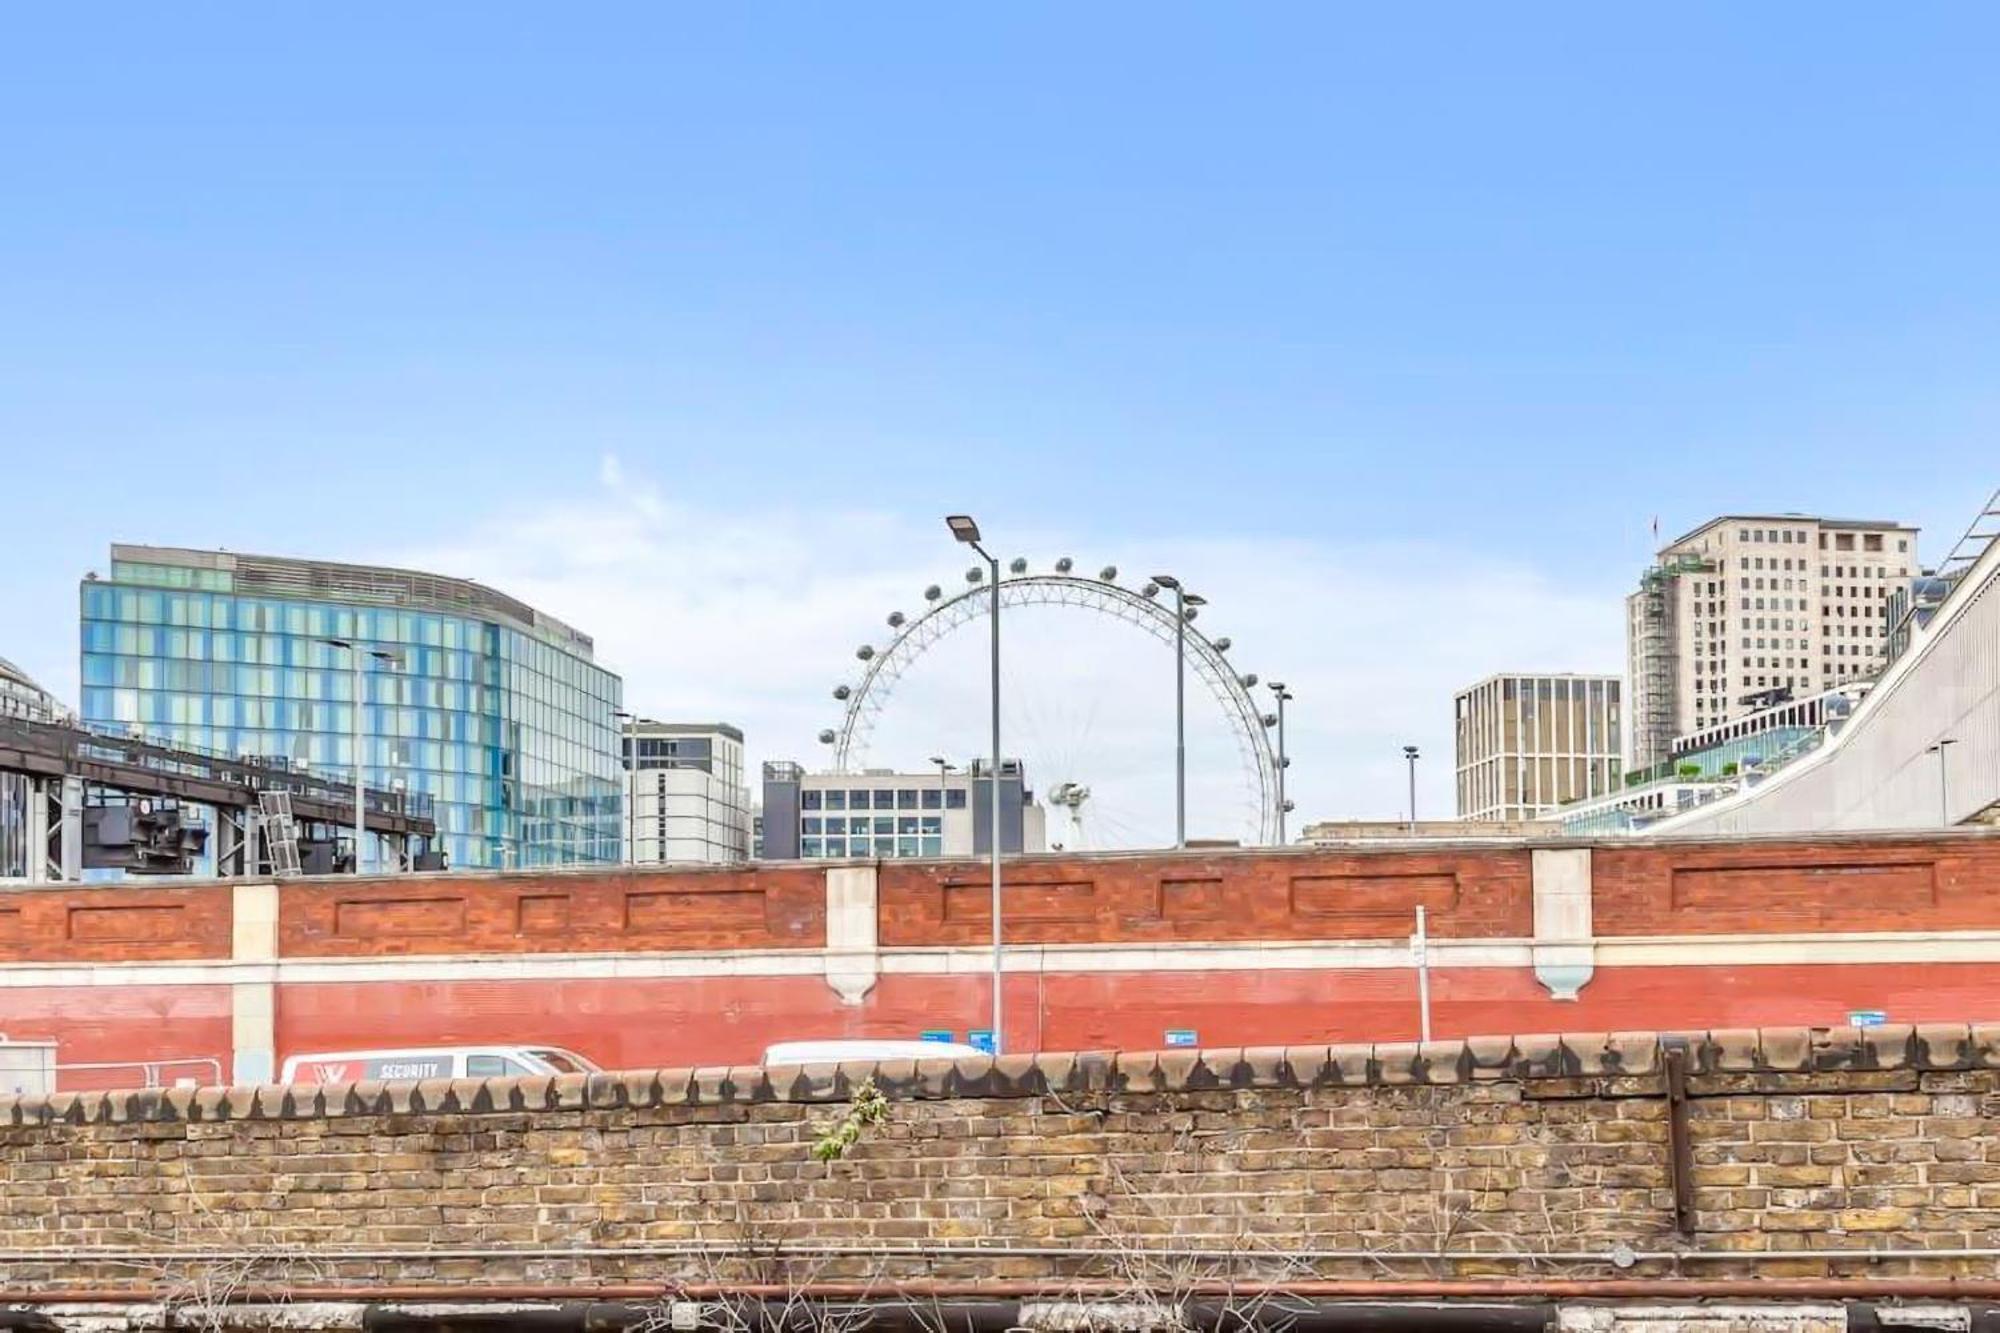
{"x":1570,"y":1055}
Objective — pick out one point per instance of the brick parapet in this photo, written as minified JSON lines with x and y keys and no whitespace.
{"x":1614,"y":1056}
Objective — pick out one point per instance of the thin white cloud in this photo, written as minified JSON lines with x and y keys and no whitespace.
{"x":753,"y":617}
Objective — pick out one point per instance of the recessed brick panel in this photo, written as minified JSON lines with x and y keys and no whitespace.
{"x":542,"y":913}
{"x":1061,"y":900}
{"x":365,"y":919}
{"x":126,"y":923}
{"x":1373,"y":897}
{"x":1809,"y":895}
{"x":1880,"y":883}
{"x":728,"y":909}
{"x":1205,"y":899}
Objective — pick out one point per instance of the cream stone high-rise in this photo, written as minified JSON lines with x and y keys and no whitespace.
{"x":1748,"y":609}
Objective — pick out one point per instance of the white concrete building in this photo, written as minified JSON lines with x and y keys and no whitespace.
{"x":1527,"y":742}
{"x":686,"y":798}
{"x":880,"y":814}
{"x":1750,"y":609}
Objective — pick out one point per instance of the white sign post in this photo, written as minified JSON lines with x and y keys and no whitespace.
{"x":1420,"y":958}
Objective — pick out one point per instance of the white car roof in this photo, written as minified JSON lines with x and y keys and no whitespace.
{"x":832,"y":1052}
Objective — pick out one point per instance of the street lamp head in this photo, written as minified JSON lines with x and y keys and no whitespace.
{"x":1410,"y":752}
{"x":1277,"y":687}
{"x":1166,"y":580}
{"x":962,"y":527}
{"x":1196,"y":599}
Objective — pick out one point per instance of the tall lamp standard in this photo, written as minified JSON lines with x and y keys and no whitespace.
{"x":965,"y":530}
{"x":1410,"y":753}
{"x":1183,"y":600}
{"x":355,"y":653}
{"x":1944,"y":789}
{"x":944,"y":767}
{"x":631,"y":801}
{"x":1284,"y":760}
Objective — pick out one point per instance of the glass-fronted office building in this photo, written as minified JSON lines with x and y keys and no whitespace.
{"x":493,"y":709}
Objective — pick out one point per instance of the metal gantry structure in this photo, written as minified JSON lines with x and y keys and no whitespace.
{"x":867,"y":699}
{"x":62,"y":759}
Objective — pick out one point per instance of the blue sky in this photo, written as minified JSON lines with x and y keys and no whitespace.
{"x":1415,"y":300}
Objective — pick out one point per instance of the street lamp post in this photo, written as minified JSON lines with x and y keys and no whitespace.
{"x":1944,"y":788}
{"x":1284,"y":760}
{"x":1410,"y":753}
{"x":354,"y":656}
{"x":944,"y":766}
{"x":1183,"y":599}
{"x":965,"y":530}
{"x":631,"y":856}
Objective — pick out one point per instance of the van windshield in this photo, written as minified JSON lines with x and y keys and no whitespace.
{"x":563,"y":1062}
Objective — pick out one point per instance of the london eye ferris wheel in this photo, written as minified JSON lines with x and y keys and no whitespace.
{"x":1070,"y":762}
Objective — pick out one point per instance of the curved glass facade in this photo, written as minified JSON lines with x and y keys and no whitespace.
{"x":508,"y":727}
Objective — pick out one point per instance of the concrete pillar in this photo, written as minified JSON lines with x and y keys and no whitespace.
{"x":253,"y":1003}
{"x":1565,"y":952}
{"x":852,"y":961}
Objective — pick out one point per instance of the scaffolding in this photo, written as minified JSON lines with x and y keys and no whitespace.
{"x":1655,"y":666}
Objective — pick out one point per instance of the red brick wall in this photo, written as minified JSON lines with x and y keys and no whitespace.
{"x":126,"y":923}
{"x":1140,"y":899}
{"x":571,"y":912}
{"x":1890,"y":883}
{"x":1763,"y":888}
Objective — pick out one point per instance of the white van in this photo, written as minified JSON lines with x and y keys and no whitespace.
{"x":833,"y":1052}
{"x":433,"y":1062}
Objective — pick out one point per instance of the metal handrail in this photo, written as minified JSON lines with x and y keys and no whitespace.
{"x":1964,"y":554}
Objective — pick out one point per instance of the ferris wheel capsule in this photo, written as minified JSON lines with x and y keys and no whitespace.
{"x":895,"y":620}
{"x":932,"y":593}
{"x":1222,"y":644}
{"x":1065,"y":565}
{"x":1019,"y":565}
{"x":826,"y":737}
{"x":842,"y":692}
{"x":1109,"y":573}
{"x":865,"y":652}
{"x":975,"y":574}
